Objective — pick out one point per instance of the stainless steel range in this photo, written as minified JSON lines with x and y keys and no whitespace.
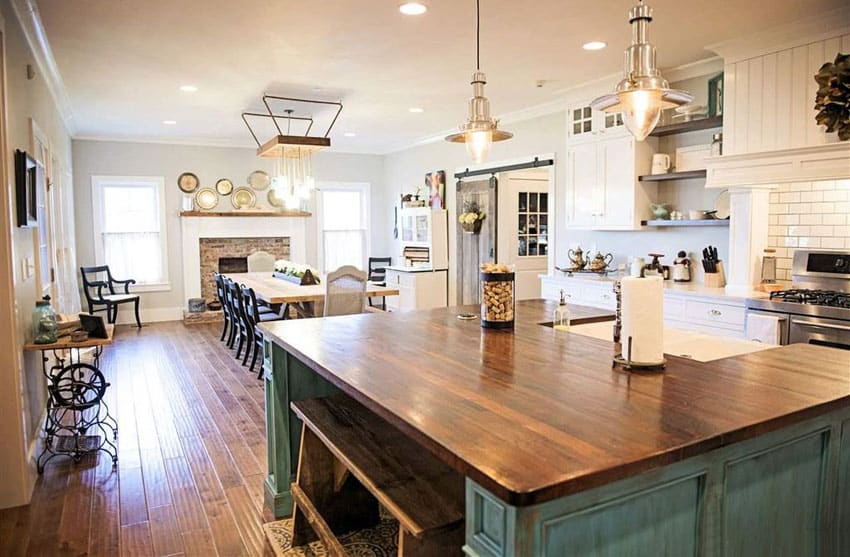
{"x":816,"y":310}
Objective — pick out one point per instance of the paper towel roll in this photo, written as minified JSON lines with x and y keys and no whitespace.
{"x":642,"y":314}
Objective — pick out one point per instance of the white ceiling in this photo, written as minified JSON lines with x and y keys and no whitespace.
{"x":123,"y":61}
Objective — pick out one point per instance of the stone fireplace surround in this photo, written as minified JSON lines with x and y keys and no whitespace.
{"x":236,"y":229}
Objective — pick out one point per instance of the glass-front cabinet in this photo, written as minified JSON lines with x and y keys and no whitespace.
{"x":584,"y":123}
{"x":416,"y":225}
{"x":532,"y":224}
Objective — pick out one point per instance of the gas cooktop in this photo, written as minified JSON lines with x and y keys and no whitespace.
{"x":830,"y":298}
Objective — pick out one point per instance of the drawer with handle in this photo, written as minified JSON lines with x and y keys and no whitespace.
{"x":721,"y":315}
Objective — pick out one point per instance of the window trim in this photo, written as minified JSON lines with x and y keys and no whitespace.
{"x":97,"y":184}
{"x":365,"y":188}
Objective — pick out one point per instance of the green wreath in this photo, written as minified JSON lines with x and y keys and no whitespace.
{"x":833,"y":97}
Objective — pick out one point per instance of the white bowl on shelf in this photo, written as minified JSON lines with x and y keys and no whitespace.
{"x":696,"y":214}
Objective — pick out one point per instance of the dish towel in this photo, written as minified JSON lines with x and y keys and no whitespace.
{"x":764,"y":328}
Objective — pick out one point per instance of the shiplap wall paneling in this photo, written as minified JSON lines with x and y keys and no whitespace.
{"x":770,"y":99}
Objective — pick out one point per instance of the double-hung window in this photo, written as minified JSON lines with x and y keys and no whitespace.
{"x":129,"y":228}
{"x":343,"y":225}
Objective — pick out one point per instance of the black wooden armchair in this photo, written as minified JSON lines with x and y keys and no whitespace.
{"x":378,"y":276}
{"x":101,"y":295}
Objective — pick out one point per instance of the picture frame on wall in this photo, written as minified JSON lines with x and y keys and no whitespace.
{"x":27,"y":177}
{"x":715,"y":96}
{"x":436,"y":184}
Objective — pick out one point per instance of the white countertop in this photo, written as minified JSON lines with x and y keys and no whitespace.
{"x":677,"y":288}
{"x":401,"y":269}
{"x":687,"y":344}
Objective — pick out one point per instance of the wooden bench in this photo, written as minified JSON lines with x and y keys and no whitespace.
{"x":350,"y":461}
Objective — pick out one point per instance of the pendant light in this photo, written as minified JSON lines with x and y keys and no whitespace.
{"x":480,"y":130}
{"x":643,"y":93}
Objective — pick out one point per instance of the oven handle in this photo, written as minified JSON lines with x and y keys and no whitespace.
{"x":821,"y":325}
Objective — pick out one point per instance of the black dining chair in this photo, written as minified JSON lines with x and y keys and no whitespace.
{"x":255,"y":316}
{"x":225,"y":307}
{"x":241,"y":337}
{"x":378,"y":276}
{"x":95,"y":280}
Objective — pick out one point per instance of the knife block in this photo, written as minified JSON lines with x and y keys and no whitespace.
{"x":715,"y":280}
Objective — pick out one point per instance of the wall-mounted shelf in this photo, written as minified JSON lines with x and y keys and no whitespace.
{"x":245,"y":214}
{"x":685,"y":127}
{"x":673,"y":176}
{"x":702,"y":222}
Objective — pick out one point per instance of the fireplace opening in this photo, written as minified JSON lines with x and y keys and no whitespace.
{"x":232,"y":265}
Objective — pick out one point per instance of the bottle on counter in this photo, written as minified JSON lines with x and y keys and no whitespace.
{"x":561,"y":319}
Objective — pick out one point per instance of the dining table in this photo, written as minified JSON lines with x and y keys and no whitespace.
{"x":302,"y":299}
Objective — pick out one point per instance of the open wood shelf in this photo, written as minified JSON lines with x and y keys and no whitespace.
{"x":245,"y":214}
{"x":685,"y":127}
{"x":673,"y":176}
{"x":701,"y":222}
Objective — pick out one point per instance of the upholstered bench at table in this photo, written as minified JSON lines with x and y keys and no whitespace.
{"x":350,"y":461}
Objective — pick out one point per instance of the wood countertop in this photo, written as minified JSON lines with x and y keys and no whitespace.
{"x":537,"y":414}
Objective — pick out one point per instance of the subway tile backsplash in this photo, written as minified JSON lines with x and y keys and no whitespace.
{"x":808,"y":215}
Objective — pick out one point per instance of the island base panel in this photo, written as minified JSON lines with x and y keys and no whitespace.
{"x":783,"y":493}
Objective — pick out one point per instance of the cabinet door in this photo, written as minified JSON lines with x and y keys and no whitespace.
{"x":582,"y":121}
{"x":618,"y":179}
{"x":583,"y":178}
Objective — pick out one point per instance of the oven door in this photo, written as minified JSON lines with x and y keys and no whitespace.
{"x":817,"y":330}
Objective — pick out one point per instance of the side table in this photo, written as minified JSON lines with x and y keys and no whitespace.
{"x":78,"y":419}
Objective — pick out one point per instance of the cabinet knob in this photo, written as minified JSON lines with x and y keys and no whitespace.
{"x":715,"y":312}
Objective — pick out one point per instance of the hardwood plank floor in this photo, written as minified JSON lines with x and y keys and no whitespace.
{"x":191,"y":446}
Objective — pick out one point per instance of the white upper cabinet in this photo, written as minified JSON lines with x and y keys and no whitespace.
{"x":604,"y":191}
{"x":584,"y":123}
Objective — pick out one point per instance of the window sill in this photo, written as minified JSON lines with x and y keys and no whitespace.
{"x":151,"y":287}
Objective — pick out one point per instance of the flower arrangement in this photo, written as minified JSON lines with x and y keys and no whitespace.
{"x":295,"y":270}
{"x":833,"y":97}
{"x":471,"y":217}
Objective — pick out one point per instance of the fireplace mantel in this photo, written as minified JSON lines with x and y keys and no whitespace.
{"x":196,"y":227}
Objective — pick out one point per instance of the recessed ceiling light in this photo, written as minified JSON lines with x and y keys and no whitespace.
{"x":170,"y":122}
{"x":188,"y":88}
{"x":594,"y":45}
{"x":412,"y":8}
{"x":349,"y":134}
{"x":416,"y":109}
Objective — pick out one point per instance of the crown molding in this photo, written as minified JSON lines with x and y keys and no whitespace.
{"x":26,"y":12}
{"x":199,"y":142}
{"x":804,"y":31}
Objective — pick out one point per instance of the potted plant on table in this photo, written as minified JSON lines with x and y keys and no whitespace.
{"x":471,"y":217}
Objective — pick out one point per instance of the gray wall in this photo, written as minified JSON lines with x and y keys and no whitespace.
{"x":25,"y":99}
{"x":92,"y":158}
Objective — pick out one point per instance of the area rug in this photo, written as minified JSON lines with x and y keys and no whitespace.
{"x":378,"y":541}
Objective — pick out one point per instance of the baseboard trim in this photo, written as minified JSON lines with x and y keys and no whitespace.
{"x":151,"y":315}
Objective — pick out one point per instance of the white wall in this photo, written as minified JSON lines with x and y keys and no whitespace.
{"x":93,"y":158}
{"x":22,"y":408}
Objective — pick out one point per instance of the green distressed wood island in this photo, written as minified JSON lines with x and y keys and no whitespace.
{"x":564,"y":455}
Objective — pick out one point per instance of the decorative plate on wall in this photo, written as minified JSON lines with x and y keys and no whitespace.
{"x":188,"y":182}
{"x":275,"y":200}
{"x":224,"y":186}
{"x":243,"y":198}
{"x":259,"y":180}
{"x":206,"y":198}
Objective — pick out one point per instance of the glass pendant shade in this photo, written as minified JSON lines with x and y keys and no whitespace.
{"x":478,"y":145}
{"x":293,"y":180}
{"x":643,"y":93}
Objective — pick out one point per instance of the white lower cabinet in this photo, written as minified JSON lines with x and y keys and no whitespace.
{"x":417,"y":290}
{"x":707,"y":314}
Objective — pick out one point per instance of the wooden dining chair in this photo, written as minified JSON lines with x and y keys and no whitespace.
{"x":225,"y":307}
{"x":345,"y":291}
{"x":378,"y":276}
{"x":99,"y":290}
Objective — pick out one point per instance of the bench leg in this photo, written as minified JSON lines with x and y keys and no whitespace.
{"x":447,"y":542}
{"x":138,"y":321}
{"x":344,"y":505}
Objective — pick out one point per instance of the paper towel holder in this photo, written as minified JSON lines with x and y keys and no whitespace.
{"x":629,"y":365}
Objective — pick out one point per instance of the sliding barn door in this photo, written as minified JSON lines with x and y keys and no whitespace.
{"x":475,"y":248}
